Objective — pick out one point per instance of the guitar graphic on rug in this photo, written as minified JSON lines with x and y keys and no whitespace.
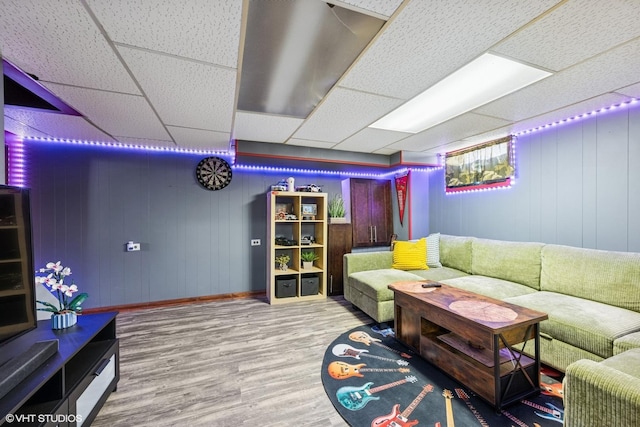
{"x":465,"y":398}
{"x":397,"y":419}
{"x":341,"y":370}
{"x":355,"y":398}
{"x":366,"y":339}
{"x":552,"y":413}
{"x":447,"y":400}
{"x":345,"y":350}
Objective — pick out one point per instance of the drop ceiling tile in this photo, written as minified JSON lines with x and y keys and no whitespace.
{"x":21,"y":129}
{"x":631,"y":90}
{"x":264,"y":128}
{"x":53,"y":125}
{"x":608,"y":72}
{"x":344,"y":113}
{"x":114,"y":113}
{"x":386,"y":151}
{"x":575,"y":31}
{"x":205,"y":30}
{"x":455,"y":129}
{"x":145,"y":142}
{"x":58,"y":42}
{"x":384,"y":8}
{"x":185,"y":93}
{"x":369,"y":139}
{"x":200,"y":139}
{"x":307,"y":143}
{"x":428,"y":40}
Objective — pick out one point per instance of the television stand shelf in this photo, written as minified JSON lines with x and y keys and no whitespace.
{"x":71,"y":386}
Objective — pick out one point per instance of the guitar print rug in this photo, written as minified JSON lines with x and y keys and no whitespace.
{"x":373,"y":380}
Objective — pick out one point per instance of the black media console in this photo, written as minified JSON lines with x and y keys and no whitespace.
{"x":70,"y":387}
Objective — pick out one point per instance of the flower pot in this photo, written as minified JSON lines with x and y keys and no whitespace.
{"x":337,"y":220}
{"x":307,"y":265}
{"x":283,"y":267}
{"x":63,"y":320}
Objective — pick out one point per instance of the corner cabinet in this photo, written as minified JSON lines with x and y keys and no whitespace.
{"x":297,"y":224}
{"x":371,"y":211}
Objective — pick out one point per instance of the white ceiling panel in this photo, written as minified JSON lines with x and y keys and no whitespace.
{"x":429,"y":40}
{"x":114,"y":113}
{"x":145,"y":142}
{"x":265,"y":128}
{"x":632,"y":90}
{"x":573,"y":32}
{"x":185,"y":93}
{"x":53,"y":125}
{"x":200,"y":139}
{"x":205,"y":30}
{"x":59,"y":42}
{"x":369,"y":140}
{"x":20,"y":128}
{"x":344,"y":113}
{"x":608,"y":72}
{"x":383,"y":8}
{"x":455,"y":129}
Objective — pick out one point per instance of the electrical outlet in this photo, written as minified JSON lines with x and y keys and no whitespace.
{"x":255,"y":242}
{"x":131,"y":246}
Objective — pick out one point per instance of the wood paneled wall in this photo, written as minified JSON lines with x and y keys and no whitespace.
{"x":577,"y":184}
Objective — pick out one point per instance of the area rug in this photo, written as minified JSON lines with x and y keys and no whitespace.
{"x":374,"y":380}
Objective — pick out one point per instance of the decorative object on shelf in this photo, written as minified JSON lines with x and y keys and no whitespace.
{"x":213,"y":173}
{"x":336,"y":210}
{"x":280,"y":185}
{"x":307,"y":240}
{"x":309,"y":211}
{"x":282,"y":261}
{"x":65,"y":313}
{"x":290,"y":183}
{"x":309,"y":188}
{"x":307,"y":258}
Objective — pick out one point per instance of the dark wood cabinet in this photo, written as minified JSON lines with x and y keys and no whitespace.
{"x":371,"y":212}
{"x":340,"y":243}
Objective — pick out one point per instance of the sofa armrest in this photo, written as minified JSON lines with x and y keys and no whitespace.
{"x":365,"y":261}
{"x":599,"y":395}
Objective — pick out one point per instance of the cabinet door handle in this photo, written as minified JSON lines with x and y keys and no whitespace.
{"x":370,"y":233}
{"x":375,"y":233}
{"x":101,"y":367}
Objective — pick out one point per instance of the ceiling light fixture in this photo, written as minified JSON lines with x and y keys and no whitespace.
{"x":483,"y":80}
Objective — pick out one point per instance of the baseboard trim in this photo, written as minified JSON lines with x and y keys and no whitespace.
{"x":174,"y":302}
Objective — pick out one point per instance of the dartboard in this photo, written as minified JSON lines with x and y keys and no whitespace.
{"x":213,"y":173}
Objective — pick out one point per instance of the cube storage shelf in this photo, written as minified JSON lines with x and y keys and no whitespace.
{"x":297,"y":223}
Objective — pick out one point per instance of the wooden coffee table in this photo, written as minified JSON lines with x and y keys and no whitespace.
{"x":472,"y":338}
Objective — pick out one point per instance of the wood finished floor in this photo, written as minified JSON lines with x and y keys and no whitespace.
{"x":227,"y":363}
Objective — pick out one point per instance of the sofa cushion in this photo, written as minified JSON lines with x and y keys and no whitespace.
{"x":410,"y":255}
{"x":489,"y":286}
{"x":627,"y":362}
{"x":513,"y":261}
{"x":439,"y":274}
{"x":605,"y":276}
{"x":583,"y":323}
{"x":455,"y":252}
{"x":433,"y":250}
{"x":375,"y":283}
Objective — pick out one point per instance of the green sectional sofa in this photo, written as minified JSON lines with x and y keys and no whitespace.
{"x":592,"y":296}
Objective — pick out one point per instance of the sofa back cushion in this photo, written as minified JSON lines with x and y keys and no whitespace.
{"x":455,"y":252}
{"x":608,"y":277}
{"x":513,"y":261}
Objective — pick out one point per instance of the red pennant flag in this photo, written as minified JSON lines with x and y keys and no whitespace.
{"x":402,"y":184}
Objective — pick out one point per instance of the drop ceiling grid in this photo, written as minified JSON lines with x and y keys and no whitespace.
{"x":452,"y":130}
{"x":608,"y":72}
{"x":385,"y":8}
{"x":199,"y":138}
{"x":577,"y":30}
{"x":114,"y":113}
{"x":55,"y":125}
{"x":19,"y":128}
{"x":205,"y":30}
{"x":185,"y":93}
{"x":54,"y":39}
{"x":631,"y":90}
{"x":429,"y":40}
{"x":308,"y":143}
{"x":370,"y":139}
{"x":266,"y":128}
{"x":344,"y":113}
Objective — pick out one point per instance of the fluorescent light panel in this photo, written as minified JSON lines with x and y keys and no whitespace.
{"x":483,"y":80}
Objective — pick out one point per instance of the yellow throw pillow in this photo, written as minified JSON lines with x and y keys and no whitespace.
{"x":410,"y":255}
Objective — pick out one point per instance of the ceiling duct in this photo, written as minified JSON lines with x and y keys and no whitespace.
{"x":295,"y":51}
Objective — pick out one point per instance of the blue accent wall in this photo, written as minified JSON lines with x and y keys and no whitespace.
{"x":577,"y":184}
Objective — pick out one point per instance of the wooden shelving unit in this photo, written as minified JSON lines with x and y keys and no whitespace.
{"x":291,"y":216}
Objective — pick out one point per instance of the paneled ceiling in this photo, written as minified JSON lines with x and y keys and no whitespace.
{"x":168,"y":73}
